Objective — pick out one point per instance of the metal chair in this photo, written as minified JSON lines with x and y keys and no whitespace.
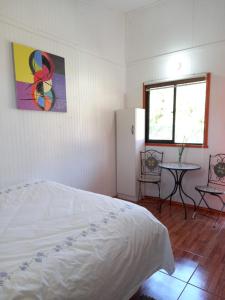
{"x":216,"y":177}
{"x":150,"y":170}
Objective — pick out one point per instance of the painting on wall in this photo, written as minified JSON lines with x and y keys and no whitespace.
{"x":40,"y":79}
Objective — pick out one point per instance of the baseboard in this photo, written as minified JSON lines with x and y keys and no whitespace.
{"x":127,"y":197}
{"x":212,"y":211}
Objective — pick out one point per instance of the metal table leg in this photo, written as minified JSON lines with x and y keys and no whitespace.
{"x":178,"y":177}
{"x":175,"y":176}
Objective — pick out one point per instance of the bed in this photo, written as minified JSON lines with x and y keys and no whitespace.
{"x":57,"y":242}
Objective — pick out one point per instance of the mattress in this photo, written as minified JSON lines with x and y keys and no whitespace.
{"x":57,"y":242}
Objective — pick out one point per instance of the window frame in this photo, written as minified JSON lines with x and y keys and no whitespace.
{"x":146,"y":87}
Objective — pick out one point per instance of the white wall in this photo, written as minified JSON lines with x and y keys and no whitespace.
{"x":77,"y":147}
{"x":192,"y":33}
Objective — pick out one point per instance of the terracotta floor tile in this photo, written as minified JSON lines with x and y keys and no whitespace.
{"x":193,"y":293}
{"x":199,"y":251}
{"x":194,"y":237}
{"x":218,"y":251}
{"x":185,"y":264}
{"x":191,"y":235}
{"x":210,"y":276}
{"x":162,"y":287}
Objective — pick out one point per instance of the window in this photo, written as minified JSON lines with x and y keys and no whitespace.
{"x":177,"y":112}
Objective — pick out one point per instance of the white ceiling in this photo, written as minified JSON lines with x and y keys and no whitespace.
{"x":125,"y":5}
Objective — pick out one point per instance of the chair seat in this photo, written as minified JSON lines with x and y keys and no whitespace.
{"x":209,"y":189}
{"x":150,"y":179}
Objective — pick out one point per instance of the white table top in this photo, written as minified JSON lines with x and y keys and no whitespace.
{"x":179,"y":166}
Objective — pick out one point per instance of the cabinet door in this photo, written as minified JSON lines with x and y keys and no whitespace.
{"x":126,"y":152}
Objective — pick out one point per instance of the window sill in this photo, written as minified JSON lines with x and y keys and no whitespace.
{"x":176,"y":145}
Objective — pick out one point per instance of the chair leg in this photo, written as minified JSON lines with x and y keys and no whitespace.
{"x":221,"y":211}
{"x":141,"y":194}
{"x":158,"y":184}
{"x":202,"y":199}
{"x":139,"y":191}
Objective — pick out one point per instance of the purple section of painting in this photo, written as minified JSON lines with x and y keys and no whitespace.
{"x":23,"y":96}
{"x":59,"y":87}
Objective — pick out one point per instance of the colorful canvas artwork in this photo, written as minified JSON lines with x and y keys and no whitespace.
{"x":40,"y":79}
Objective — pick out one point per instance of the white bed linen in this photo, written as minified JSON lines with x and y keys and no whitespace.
{"x":58,"y":242}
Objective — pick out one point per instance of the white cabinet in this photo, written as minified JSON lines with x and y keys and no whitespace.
{"x":130,"y":130}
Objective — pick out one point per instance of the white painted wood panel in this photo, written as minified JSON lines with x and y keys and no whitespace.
{"x":208,"y":21}
{"x":77,"y":147}
{"x":165,"y":27}
{"x":92,"y":28}
{"x":205,"y":53}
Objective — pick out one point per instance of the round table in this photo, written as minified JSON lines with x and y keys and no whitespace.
{"x":178,"y":171}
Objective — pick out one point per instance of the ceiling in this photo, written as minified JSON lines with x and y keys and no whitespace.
{"x":125,"y":5}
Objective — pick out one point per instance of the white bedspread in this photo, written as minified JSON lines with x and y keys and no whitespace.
{"x":58,"y":242}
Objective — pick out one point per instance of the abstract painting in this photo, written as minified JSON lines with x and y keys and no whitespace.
{"x":40,"y":79}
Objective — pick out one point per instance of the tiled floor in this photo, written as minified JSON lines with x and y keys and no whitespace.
{"x":199,"y":251}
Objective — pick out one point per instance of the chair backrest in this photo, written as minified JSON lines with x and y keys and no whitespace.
{"x":150,"y":160}
{"x":216,"y":173}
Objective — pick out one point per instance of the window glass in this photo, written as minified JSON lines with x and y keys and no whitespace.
{"x":161,"y":113}
{"x":190,"y":113}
